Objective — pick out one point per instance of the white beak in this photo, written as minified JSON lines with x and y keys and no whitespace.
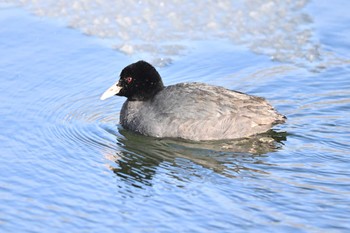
{"x":113,"y":90}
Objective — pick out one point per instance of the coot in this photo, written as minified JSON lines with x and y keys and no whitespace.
{"x":194,"y":111}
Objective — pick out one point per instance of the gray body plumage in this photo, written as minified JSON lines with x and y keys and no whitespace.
{"x":198,"y":111}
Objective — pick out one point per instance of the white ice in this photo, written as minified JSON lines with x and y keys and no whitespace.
{"x":278,"y":29}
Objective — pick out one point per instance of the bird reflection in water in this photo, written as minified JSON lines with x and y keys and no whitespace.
{"x":140,"y":158}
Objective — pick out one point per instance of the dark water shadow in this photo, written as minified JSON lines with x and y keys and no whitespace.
{"x":139,"y":156}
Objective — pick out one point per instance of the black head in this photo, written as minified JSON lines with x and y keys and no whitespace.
{"x":138,"y":81}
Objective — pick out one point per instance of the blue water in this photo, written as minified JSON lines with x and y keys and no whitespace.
{"x":67,"y":166}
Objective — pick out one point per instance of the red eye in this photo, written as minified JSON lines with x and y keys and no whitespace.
{"x":128,"y":80}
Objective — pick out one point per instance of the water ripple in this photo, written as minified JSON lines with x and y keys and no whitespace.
{"x":81,"y":121}
{"x":58,"y":142}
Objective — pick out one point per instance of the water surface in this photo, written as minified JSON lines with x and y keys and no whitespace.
{"x":67,"y":165}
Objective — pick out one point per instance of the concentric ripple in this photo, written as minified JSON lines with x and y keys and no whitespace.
{"x":82,"y":121}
